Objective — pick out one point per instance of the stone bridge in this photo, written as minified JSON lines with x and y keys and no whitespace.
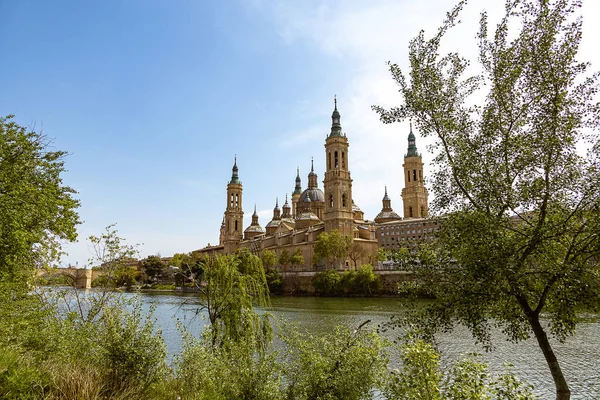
{"x":81,"y":278}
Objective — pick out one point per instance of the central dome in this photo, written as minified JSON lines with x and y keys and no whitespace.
{"x":312,"y":195}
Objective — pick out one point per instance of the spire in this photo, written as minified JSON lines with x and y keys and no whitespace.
{"x":276,"y":211}
{"x":298,"y":187}
{"x":336,"y":127}
{"x":386,"y":195}
{"x":286,"y":208}
{"x":412,"y":144}
{"x":254,"y":217}
{"x":312,"y":176}
{"x":234,"y":171}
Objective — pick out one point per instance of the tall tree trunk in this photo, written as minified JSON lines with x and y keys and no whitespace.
{"x":562,"y":388}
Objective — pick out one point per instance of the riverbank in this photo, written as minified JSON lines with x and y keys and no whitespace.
{"x":301,"y":284}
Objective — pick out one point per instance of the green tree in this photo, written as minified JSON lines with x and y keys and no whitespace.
{"x":268,"y":258}
{"x":365,"y":281}
{"x":230,"y":287}
{"x":269,"y":261}
{"x":37,"y":211}
{"x":401,"y":256}
{"x":284,"y":259}
{"x":297,"y":258}
{"x":332,"y":247}
{"x":382,"y":254}
{"x":519,"y":238}
{"x":153,"y":267}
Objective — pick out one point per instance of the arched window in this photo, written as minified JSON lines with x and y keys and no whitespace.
{"x":336,"y":159}
{"x":414,"y":175}
{"x":236,"y":224}
{"x":408,"y":174}
{"x":410,"y":212}
{"x":343,"y":160}
{"x":231,"y":201}
{"x":331,"y":201}
{"x":329,"y":156}
{"x":343,"y":200}
{"x":237,"y":200}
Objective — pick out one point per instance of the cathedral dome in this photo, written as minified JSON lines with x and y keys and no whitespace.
{"x":312,"y":194}
{"x":274,"y":223}
{"x":254,"y":229}
{"x":385,"y":216}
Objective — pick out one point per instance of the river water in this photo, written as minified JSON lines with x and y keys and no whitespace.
{"x":579,"y":356}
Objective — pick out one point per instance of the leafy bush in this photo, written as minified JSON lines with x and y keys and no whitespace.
{"x":274,"y":281}
{"x":342,"y":364}
{"x":327,"y":282}
{"x":361,"y":282}
{"x":422,"y":378}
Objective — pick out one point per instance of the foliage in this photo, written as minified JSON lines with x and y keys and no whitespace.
{"x":268,"y":258}
{"x":382,"y":254}
{"x":365,"y":280}
{"x":37,"y":211}
{"x":332,"y":247}
{"x":189,"y":266}
{"x":361,"y":282}
{"x":342,"y":364}
{"x":402,"y":257}
{"x":131,"y":351}
{"x":232,"y":372}
{"x":124,"y":276}
{"x":229,"y":288}
{"x":284,"y":258}
{"x":520,"y":235}
{"x":274,"y":281}
{"x":297,"y":258}
{"x":152,"y":266}
{"x":422,"y":378}
{"x":327,"y":282}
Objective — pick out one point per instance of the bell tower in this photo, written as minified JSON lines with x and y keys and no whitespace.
{"x":414,"y":194}
{"x":234,"y":215}
{"x":337,"y":183}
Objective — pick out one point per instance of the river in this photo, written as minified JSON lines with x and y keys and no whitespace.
{"x":579,"y":356}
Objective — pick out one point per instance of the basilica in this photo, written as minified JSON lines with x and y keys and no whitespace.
{"x":295,"y":227}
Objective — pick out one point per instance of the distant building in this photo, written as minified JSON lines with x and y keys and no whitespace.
{"x":312,"y":211}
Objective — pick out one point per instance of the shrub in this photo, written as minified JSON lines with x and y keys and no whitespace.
{"x":327,"y":282}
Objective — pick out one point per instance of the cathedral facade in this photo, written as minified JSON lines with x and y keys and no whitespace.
{"x":296,"y":226}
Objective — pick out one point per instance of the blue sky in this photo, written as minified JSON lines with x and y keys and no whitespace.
{"x":152,"y":99}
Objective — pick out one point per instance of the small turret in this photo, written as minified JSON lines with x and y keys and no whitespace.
{"x":387,"y":214}
{"x":312,"y":176}
{"x":287,"y":210}
{"x":254,"y":229}
{"x":296,"y":193}
{"x":276,"y":210}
